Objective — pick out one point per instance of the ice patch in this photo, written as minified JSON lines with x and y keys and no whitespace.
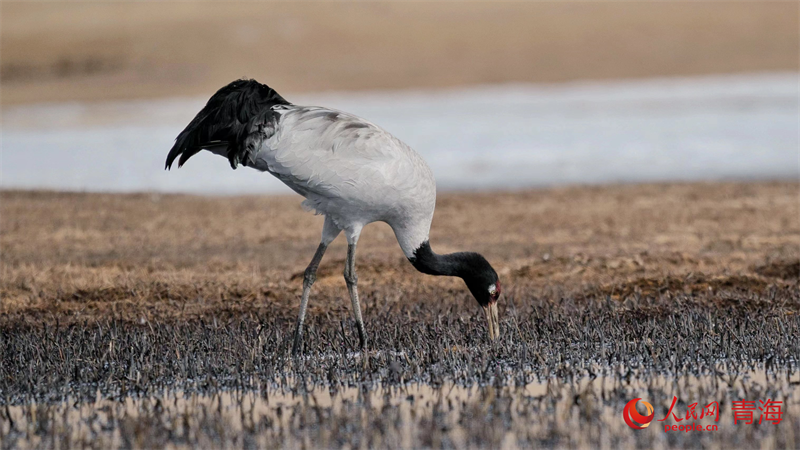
{"x":704,"y":128}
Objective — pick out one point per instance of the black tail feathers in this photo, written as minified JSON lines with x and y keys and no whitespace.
{"x":230,"y":115}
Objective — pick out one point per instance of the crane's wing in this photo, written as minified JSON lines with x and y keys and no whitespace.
{"x":334,"y":154}
{"x":323,"y":154}
{"x":228,"y":124}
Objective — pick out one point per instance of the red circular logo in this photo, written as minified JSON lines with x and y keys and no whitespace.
{"x":633,"y":418}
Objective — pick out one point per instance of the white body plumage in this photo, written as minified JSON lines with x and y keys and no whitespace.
{"x":352,"y":171}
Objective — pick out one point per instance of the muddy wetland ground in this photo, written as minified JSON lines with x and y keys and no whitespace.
{"x":165,"y":321}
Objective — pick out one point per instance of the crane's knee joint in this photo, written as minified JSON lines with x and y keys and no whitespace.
{"x":350,"y":277}
{"x":309,"y":277}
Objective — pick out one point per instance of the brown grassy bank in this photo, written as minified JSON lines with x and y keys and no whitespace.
{"x":144,"y":257}
{"x":142,"y":321}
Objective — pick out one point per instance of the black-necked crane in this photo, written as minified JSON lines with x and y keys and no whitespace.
{"x":348,"y":169}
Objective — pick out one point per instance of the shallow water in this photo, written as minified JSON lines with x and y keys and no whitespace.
{"x":720,"y":127}
{"x":582,"y":413}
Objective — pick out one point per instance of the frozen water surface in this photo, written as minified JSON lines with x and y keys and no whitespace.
{"x":511,"y":136}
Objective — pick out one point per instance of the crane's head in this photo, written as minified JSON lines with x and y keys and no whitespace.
{"x":471,"y":267}
{"x":484,"y":285}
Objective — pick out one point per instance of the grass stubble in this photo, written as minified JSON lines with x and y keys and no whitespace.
{"x":144,"y":321}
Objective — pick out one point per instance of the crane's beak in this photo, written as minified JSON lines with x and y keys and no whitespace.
{"x":492,"y":322}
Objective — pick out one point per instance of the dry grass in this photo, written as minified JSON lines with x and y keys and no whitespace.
{"x":85,"y":256}
{"x":57,"y":51}
{"x":141,"y":321}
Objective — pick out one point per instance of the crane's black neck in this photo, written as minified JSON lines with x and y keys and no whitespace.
{"x":477,"y":273}
{"x":461,"y":264}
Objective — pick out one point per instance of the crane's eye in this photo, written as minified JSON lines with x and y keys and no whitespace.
{"x":494,"y":291}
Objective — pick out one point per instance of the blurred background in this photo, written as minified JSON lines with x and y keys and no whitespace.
{"x":494,"y":95}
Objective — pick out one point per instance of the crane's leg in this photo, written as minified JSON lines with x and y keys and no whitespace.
{"x":329,"y":233}
{"x":351,"y":279}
